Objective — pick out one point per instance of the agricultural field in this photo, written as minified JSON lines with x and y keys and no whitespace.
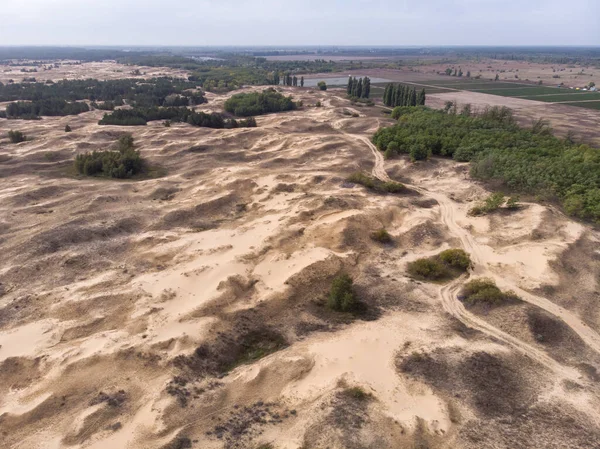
{"x":546,"y":94}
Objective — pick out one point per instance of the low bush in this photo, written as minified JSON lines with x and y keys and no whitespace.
{"x":448,"y":264}
{"x":430,"y":269}
{"x":357,"y":393}
{"x":68,"y":129}
{"x":322,"y":85}
{"x":375,"y":184}
{"x":491,"y":204}
{"x":382,"y":236}
{"x":16,"y":136}
{"x":484,"y":291}
{"x":341,"y":296}
{"x":455,"y":258}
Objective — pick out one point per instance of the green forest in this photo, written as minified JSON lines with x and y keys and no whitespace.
{"x":531,"y":161}
{"x":32,"y":110}
{"x":151,"y":92}
{"x":257,"y":103}
{"x":141,"y":116}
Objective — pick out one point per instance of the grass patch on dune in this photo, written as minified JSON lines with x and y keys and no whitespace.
{"x":357,"y":393}
{"x":484,"y":291}
{"x":375,"y":184}
{"x":382,"y":236}
{"x":446,"y":265}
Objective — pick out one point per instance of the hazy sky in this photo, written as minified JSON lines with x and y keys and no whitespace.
{"x":309,"y":22}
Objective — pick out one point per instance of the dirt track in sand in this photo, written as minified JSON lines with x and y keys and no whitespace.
{"x":105,"y":283}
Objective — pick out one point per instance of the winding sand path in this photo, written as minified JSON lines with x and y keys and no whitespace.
{"x":480,"y":256}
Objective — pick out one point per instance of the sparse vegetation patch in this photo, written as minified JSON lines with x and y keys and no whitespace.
{"x":485,"y":292}
{"x":446,"y":265}
{"x":125,"y":162}
{"x":375,"y":184}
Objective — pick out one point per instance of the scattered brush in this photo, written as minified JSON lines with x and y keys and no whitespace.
{"x":484,"y":291}
{"x":382,"y":236}
{"x":375,"y":184}
{"x":446,"y":265}
{"x":494,"y":202}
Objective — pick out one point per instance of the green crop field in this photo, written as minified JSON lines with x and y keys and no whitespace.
{"x":586,"y":104}
{"x":564,"y":97}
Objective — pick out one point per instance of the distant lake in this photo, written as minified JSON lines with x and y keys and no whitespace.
{"x":339,"y":81}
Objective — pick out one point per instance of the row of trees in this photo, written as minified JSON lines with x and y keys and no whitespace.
{"x":402,"y":95}
{"x":257,"y":103}
{"x":141,"y":116}
{"x":526,"y":160}
{"x":48,"y":107}
{"x":287,"y":79}
{"x":453,"y":71}
{"x":359,"y":88}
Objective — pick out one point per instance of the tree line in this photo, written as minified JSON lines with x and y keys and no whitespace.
{"x":287,"y":79}
{"x":359,"y":88}
{"x":151,"y":92}
{"x":528,"y":160}
{"x":402,"y":95}
{"x":141,"y":116}
{"x":49,"y":107}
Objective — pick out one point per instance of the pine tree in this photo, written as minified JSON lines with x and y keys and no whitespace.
{"x":413,"y":97}
{"x":349,"y":87}
{"x":354,"y":87}
{"x":386,"y":94}
{"x":421,"y":98}
{"x":301,"y":81}
{"x":367,"y":87}
{"x":359,"y":88}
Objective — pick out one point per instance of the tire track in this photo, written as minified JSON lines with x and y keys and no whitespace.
{"x":449,"y":292}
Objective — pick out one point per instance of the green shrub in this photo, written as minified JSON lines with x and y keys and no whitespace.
{"x":357,"y":393}
{"x":430,"y":268}
{"x":446,"y":265}
{"x":375,"y":184}
{"x":322,"y":85}
{"x":362,"y":179}
{"x":490,"y":204}
{"x":455,"y":258}
{"x":341,"y":296}
{"x":418,"y":152}
{"x":16,"y":136}
{"x":391,"y":151}
{"x":392,"y":187}
{"x":513,"y":202}
{"x":382,"y":236}
{"x":67,"y":129}
{"x":485,"y":291}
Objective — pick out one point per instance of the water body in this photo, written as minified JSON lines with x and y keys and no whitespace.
{"x":339,"y":81}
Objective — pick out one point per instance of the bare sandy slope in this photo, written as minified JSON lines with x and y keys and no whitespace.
{"x":70,"y":70}
{"x":131,"y":311}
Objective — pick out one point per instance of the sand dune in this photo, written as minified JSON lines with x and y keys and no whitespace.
{"x":124,"y":304}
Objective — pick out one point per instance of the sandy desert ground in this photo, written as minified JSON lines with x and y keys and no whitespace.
{"x":127,"y":308}
{"x":101,"y":70}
